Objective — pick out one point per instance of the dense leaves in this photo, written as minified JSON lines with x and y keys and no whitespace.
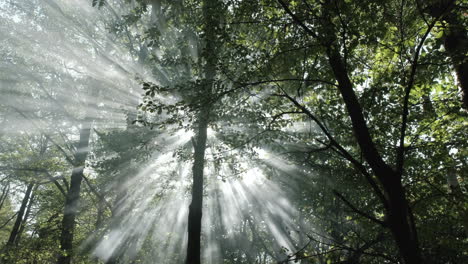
{"x":335,"y":130}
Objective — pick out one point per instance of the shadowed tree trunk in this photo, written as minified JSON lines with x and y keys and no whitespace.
{"x":26,"y":216}
{"x":398,"y":215}
{"x":4,"y":195}
{"x":73,"y":196}
{"x":456,"y":44}
{"x":210,"y":14}
{"x":19,"y":217}
{"x":195,"y":209}
{"x":15,"y":231}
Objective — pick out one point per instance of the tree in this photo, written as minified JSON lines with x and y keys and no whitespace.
{"x":333,"y":35}
{"x":233,"y":131}
{"x":73,"y":195}
{"x":211,"y":16}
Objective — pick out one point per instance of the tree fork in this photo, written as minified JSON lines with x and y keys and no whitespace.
{"x":398,"y":208}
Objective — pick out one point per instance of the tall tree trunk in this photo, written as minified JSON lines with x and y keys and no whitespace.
{"x":4,"y":195}
{"x":19,"y":218}
{"x":211,"y":21}
{"x":26,"y":215}
{"x":16,"y":227}
{"x":219,"y":224}
{"x":73,"y":196}
{"x":398,"y":216}
{"x":195,"y":208}
{"x":399,"y":220}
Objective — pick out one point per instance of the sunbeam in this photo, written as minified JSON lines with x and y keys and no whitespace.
{"x":233,"y":132}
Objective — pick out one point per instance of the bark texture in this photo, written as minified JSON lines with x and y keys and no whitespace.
{"x":73,"y":196}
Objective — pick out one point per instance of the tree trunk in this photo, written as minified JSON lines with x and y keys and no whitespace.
{"x":210,"y":13}
{"x":26,"y":216}
{"x":399,"y":220}
{"x":4,"y":195}
{"x":398,"y":210}
{"x":16,"y":227}
{"x":19,"y":218}
{"x":195,"y":209}
{"x":73,"y":196}
{"x":219,"y":224}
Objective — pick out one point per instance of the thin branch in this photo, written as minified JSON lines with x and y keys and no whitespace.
{"x":340,"y":149}
{"x":67,"y":157}
{"x":5,"y":191}
{"x":350,"y":205}
{"x":297,"y":258}
{"x":275,"y":117}
{"x":57,"y":103}
{"x":49,"y":176}
{"x":243,"y":85}
{"x":95,"y":192}
{"x":404,"y":123}
{"x":296,"y":19}
{"x":287,"y":80}
{"x":7,"y":221}
{"x":352,"y":104}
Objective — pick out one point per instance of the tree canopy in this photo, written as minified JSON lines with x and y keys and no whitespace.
{"x":233,"y":131}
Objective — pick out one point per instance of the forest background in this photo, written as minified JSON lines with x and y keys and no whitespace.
{"x":233,"y":131}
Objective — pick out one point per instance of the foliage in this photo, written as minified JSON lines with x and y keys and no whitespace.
{"x":277,"y":109}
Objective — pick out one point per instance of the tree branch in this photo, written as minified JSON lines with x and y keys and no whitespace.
{"x":296,"y":19}
{"x":65,"y":154}
{"x":404,"y":120}
{"x":340,"y":150}
{"x":8,"y":220}
{"x":95,"y":192}
{"x":361,"y":131}
{"x":350,"y":205}
{"x":50,"y":177}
